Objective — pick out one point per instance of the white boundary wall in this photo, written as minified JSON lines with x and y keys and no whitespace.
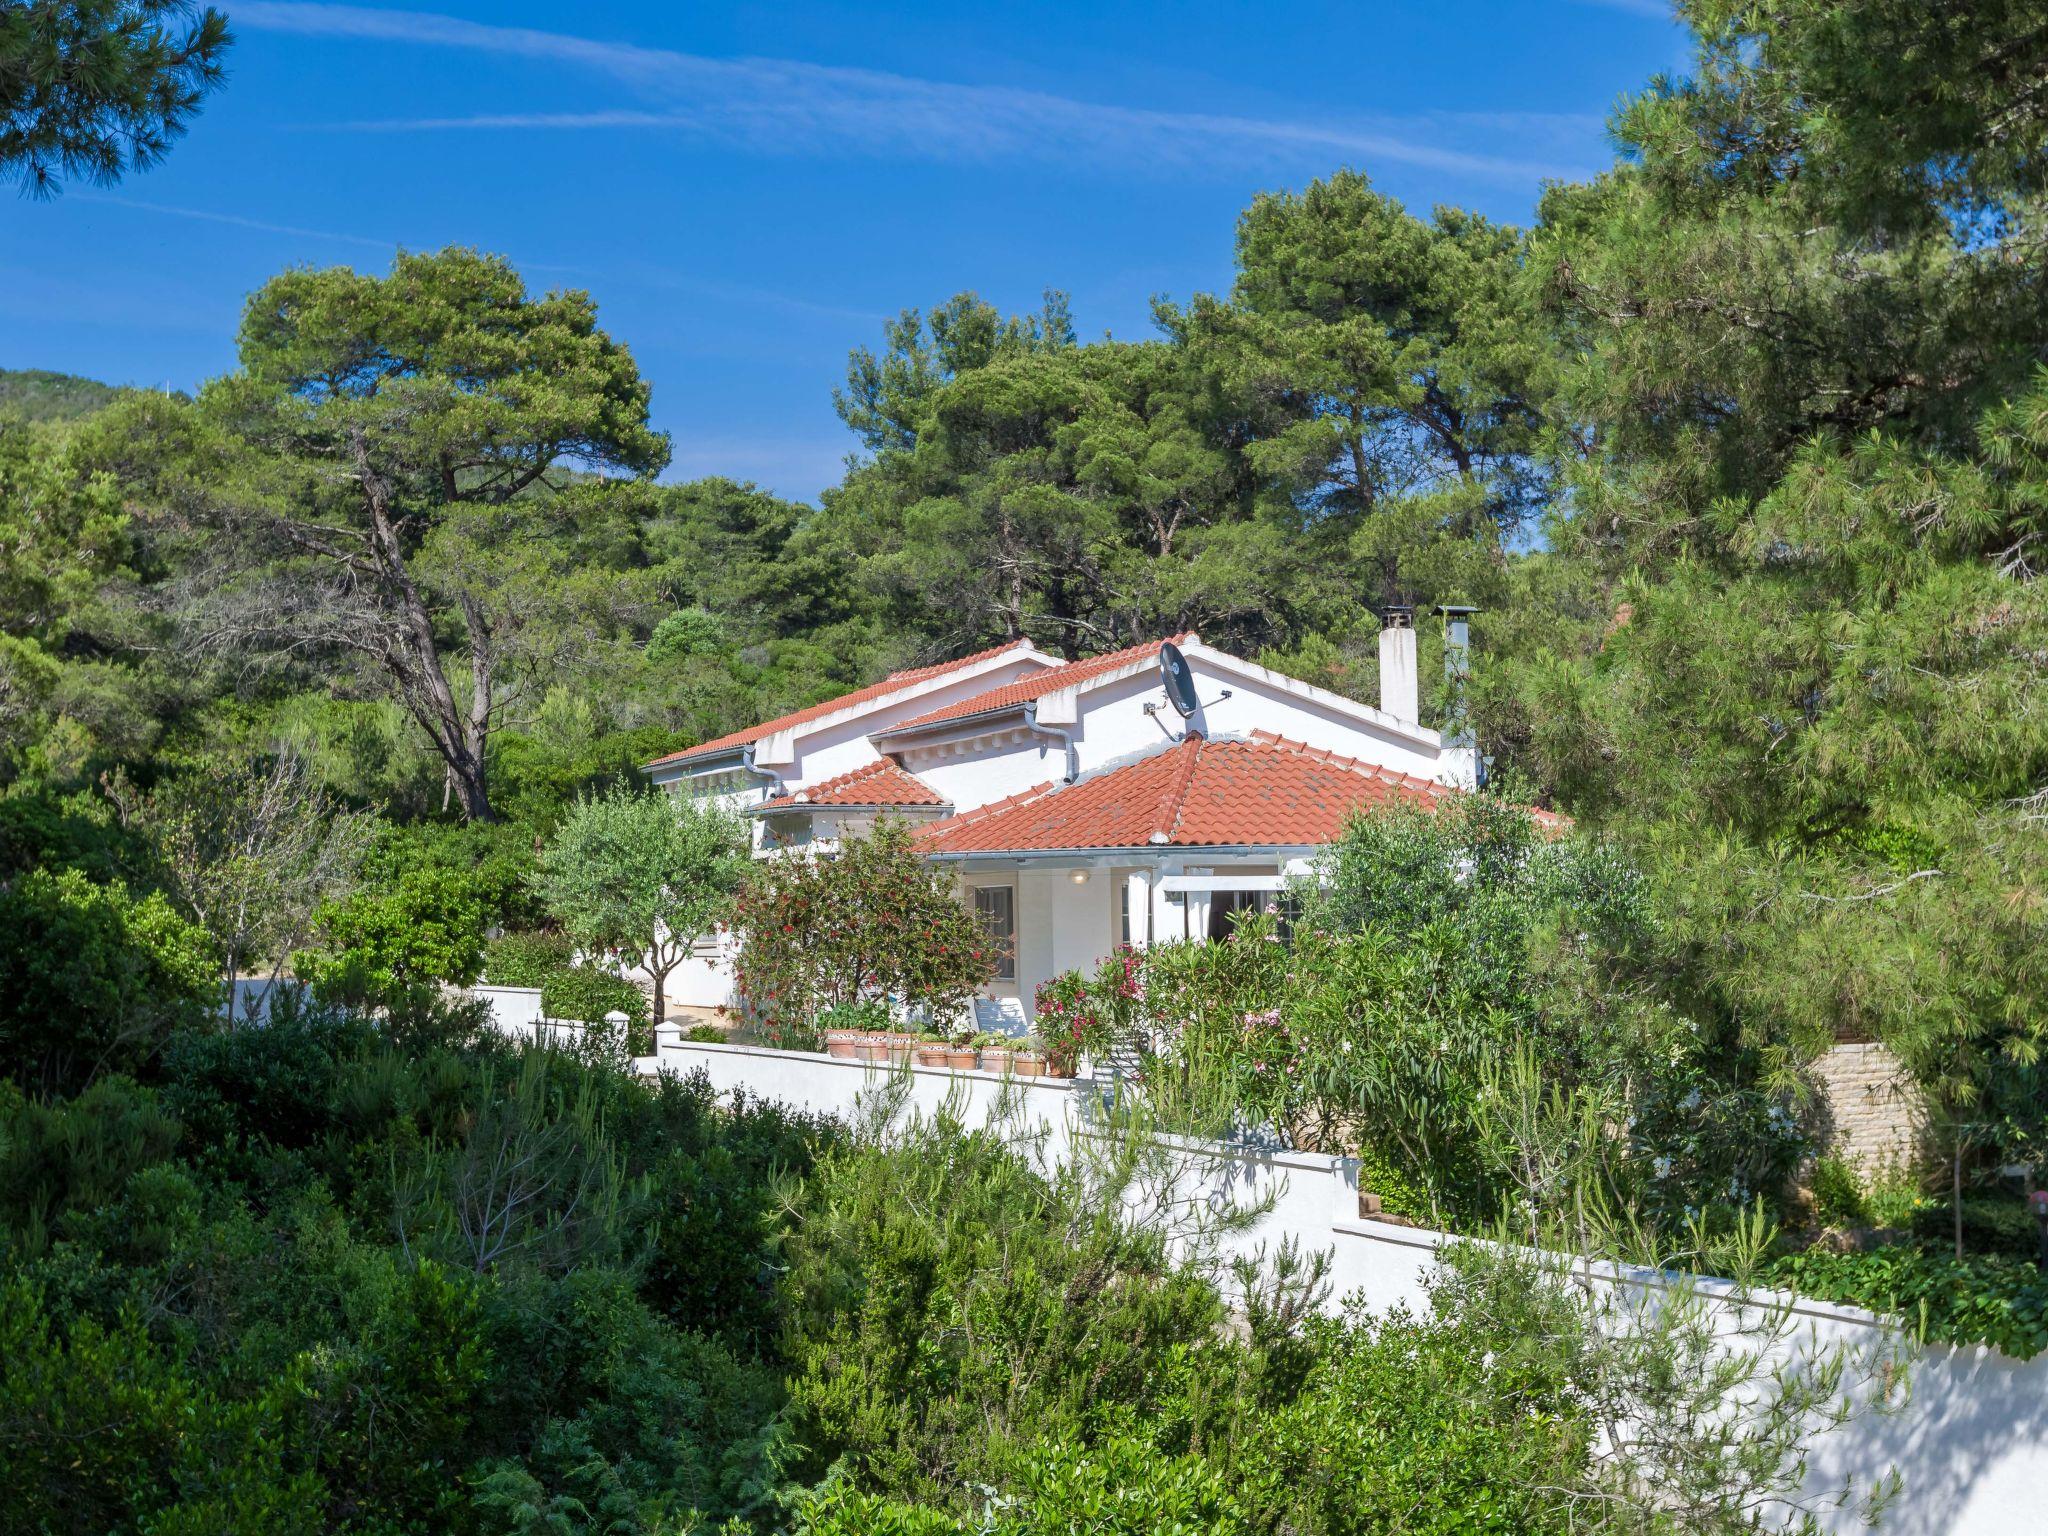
{"x":515,"y":1013}
{"x":1972,"y":1447}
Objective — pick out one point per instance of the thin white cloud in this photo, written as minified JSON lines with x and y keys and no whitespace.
{"x":788,"y":106}
{"x":234,"y":219}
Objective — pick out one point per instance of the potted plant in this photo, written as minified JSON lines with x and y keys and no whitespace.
{"x":897,"y":1048}
{"x":996,"y":1051}
{"x":1028,"y":1059}
{"x":961,"y":1054}
{"x":932,"y":1050}
{"x":858,"y":1030}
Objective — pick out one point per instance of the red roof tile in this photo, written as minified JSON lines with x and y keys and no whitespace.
{"x":1039,"y":684}
{"x":895,"y":681}
{"x":882,"y":782}
{"x":1197,"y":793}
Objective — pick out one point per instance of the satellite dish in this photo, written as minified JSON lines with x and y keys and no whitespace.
{"x":1178,"y":681}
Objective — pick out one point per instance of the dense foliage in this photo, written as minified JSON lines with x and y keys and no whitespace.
{"x":1455,"y":1004}
{"x":93,"y":88}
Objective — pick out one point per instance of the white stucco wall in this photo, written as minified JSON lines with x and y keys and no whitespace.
{"x":1111,"y":726}
{"x":1971,"y":1446}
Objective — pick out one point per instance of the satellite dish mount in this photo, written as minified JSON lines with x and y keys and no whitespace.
{"x":1178,"y":680}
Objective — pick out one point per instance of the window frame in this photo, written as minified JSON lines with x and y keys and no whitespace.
{"x":1005,"y":942}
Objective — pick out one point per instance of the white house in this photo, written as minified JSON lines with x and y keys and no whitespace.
{"x":1079,"y":803}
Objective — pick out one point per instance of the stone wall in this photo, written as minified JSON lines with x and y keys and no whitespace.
{"x":1874,"y":1108}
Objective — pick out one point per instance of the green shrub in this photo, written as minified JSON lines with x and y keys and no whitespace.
{"x":526,"y":959}
{"x":1838,"y":1196}
{"x":1983,"y":1299}
{"x":94,"y":980}
{"x":586,"y":994}
{"x":106,"y":1430}
{"x":706,"y":1034}
{"x":493,"y":861}
{"x":384,"y":947}
{"x":1991,"y":1224}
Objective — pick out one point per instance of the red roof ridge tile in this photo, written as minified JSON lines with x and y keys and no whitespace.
{"x":1173,"y":799}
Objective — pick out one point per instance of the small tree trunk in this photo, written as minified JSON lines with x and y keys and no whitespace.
{"x":1955,"y":1192}
{"x":660,"y":997}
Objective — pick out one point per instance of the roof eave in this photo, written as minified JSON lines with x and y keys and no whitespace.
{"x":773,"y":809}
{"x":1126,"y":850}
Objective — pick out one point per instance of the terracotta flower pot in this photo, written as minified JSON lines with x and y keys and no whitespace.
{"x":870,"y":1047}
{"x":931,"y":1055}
{"x":962,"y":1058}
{"x":898,"y":1048}
{"x":1028,"y":1063}
{"x":841,"y":1043}
{"x":996,"y":1058}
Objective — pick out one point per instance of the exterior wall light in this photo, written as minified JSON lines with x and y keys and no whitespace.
{"x":1078,"y":876}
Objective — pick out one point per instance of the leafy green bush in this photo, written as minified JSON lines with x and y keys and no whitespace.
{"x":218,"y":1293}
{"x":1838,"y":1196}
{"x":494,"y":861}
{"x":935,"y":1332}
{"x":94,"y":980}
{"x":384,"y":947}
{"x":1991,"y":1224}
{"x":526,"y":959}
{"x":706,"y":1034}
{"x":1983,"y":1299}
{"x":586,"y":994}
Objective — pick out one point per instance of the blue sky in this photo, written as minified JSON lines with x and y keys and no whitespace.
{"x":748,"y":190}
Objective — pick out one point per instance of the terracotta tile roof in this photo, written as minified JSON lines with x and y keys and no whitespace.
{"x":1039,"y":684}
{"x":882,"y":782}
{"x":1198,"y":793}
{"x":888,"y":685}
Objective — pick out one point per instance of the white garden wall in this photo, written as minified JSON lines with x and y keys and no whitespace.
{"x":1972,"y":1447}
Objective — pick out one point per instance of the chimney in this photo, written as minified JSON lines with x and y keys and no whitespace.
{"x":1461,"y":747}
{"x":1400,"y":691}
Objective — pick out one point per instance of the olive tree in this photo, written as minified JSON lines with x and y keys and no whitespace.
{"x":645,"y":875}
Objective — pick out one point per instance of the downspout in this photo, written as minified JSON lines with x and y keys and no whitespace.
{"x":1063,"y":737}
{"x":747,"y":766}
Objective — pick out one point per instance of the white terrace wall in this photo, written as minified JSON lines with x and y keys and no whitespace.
{"x":1972,"y":1447}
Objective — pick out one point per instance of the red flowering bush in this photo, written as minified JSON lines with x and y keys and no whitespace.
{"x":872,"y":922}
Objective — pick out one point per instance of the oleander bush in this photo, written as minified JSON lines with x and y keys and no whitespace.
{"x":873,"y":923}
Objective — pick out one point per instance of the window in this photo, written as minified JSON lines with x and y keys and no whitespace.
{"x":1225,"y":905}
{"x":996,"y":906}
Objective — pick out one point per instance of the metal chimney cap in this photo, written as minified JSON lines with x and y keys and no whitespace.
{"x":1398,"y":616}
{"x":1456,"y":610}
